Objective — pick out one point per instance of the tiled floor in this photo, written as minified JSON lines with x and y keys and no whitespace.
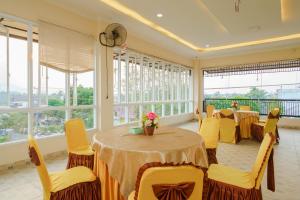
{"x":23,"y":182}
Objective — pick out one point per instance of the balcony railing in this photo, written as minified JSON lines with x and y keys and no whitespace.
{"x":288,"y":107}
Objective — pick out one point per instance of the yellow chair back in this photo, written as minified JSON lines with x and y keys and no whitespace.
{"x":245,"y":108}
{"x":209,"y":111}
{"x":271,"y":122}
{"x":210,"y":132}
{"x":170,"y":175}
{"x":262,"y":158}
{"x":76,"y":135}
{"x":41,"y":168}
{"x":227,"y":126}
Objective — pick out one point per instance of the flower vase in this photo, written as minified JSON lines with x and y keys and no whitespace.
{"x":149,"y":130}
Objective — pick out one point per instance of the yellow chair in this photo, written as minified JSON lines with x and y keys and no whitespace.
{"x":258,"y":130}
{"x":210,"y":111}
{"x":79,"y":150}
{"x":229,"y":129}
{"x":245,"y":108}
{"x":168,"y":181}
{"x":74,"y":183}
{"x":229,"y":183}
{"x":210,"y":132}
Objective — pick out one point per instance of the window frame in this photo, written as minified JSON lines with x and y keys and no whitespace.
{"x":158,"y":68}
{"x":31,"y":109}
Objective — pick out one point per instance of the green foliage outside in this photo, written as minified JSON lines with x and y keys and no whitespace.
{"x":47,"y":122}
{"x":246,"y":99}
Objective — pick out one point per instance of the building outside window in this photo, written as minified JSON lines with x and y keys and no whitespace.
{"x":35,"y":98}
{"x":143,"y":84}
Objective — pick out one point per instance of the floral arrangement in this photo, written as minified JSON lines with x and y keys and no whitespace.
{"x":234,"y":104}
{"x":150,"y":120}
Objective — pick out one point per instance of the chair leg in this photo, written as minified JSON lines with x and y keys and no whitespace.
{"x":277,"y":135}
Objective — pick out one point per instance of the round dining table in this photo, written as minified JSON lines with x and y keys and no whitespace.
{"x":119,"y":155}
{"x":244,"y":118}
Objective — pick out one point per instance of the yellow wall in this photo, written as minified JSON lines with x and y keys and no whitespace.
{"x":287,"y":53}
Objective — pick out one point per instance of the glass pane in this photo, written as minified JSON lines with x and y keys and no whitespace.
{"x":148,"y":81}
{"x":83,"y":93}
{"x":175,"y":108}
{"x":133,"y":113}
{"x":3,"y":68}
{"x":167,"y":86}
{"x":137,"y":81}
{"x":182,"y":84}
{"x":44,"y":86}
{"x":49,"y":122}
{"x":161,"y":81}
{"x":167,"y":109}
{"x":158,"y":109}
{"x":13,"y":126}
{"x":123,"y":80}
{"x":35,"y":57}
{"x":116,"y":80}
{"x":18,"y":72}
{"x":147,"y":108}
{"x":131,"y":80}
{"x":156,"y":83}
{"x":87,"y":115}
{"x":56,"y":87}
{"x":176,"y":84}
{"x":119,"y":115}
{"x":182,"y":107}
{"x":190,"y":107}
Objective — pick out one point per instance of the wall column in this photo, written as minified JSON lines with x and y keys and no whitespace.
{"x":105,"y":88}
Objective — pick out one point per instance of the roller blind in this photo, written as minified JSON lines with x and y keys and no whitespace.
{"x":64,"y":49}
{"x":254,"y":68}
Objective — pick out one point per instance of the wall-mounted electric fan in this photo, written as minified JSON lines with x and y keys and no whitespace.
{"x":114,"y":35}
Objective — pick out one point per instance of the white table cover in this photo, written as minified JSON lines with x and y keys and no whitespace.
{"x":124,"y":153}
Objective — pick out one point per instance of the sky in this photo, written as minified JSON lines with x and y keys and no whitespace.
{"x":268,"y":81}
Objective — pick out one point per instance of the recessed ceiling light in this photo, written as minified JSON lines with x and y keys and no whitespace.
{"x":159,"y":15}
{"x":207,"y":45}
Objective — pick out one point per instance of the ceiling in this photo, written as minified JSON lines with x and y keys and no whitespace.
{"x":203,"y":23}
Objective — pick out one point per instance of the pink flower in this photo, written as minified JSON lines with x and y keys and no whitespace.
{"x":151,"y":115}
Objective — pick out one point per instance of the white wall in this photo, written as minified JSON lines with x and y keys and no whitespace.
{"x":35,"y":10}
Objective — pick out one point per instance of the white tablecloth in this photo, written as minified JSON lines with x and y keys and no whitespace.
{"x":124,"y":153}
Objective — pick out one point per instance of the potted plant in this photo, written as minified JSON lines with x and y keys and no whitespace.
{"x":150,"y":122}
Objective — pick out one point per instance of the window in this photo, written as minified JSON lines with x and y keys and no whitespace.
{"x":143,"y":84}
{"x":35,"y":98}
{"x":274,"y":80}
{"x":262,"y":86}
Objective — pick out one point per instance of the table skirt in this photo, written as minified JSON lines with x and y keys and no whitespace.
{"x":245,"y":126}
{"x":110,"y":188}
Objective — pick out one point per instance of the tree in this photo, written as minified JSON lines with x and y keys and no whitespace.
{"x":55,"y":102}
{"x":84,"y":95}
{"x":256,"y":93}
